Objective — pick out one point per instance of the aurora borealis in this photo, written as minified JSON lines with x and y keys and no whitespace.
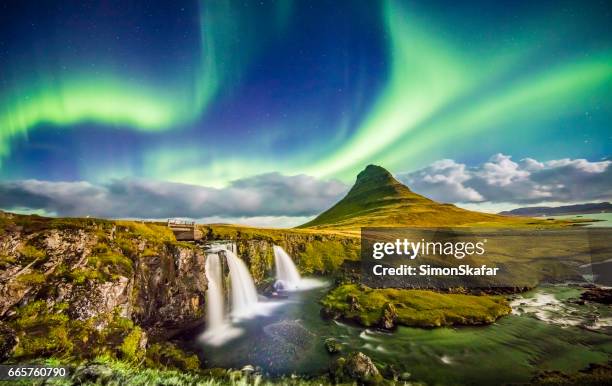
{"x":210,"y":92}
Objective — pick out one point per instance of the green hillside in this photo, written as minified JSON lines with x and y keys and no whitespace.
{"x":378,"y":199}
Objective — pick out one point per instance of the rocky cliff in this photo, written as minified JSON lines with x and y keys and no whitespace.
{"x":313,"y":252}
{"x":72,"y":285}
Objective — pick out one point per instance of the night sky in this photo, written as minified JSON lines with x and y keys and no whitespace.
{"x":222,"y":93}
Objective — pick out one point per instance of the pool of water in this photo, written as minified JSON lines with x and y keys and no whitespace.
{"x":546,"y":331}
{"x":603,"y":219}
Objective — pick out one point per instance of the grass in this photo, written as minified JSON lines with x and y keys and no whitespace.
{"x":106,"y":370}
{"x":418,"y":308}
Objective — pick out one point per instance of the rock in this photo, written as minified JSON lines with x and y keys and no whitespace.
{"x":389,"y":316}
{"x":93,"y":298}
{"x":353,"y":303}
{"x":332,"y":346}
{"x":360,"y":367}
{"x":8,"y":341}
{"x":248,"y":370}
{"x":93,"y":373}
{"x":330,"y":313}
{"x":598,"y":295}
{"x":336,"y":370}
{"x":390,"y":372}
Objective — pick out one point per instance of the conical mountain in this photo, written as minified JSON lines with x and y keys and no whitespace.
{"x":378,"y":199}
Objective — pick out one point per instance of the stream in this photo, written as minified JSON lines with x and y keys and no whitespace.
{"x":547,"y":330}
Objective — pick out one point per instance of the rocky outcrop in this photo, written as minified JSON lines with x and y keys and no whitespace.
{"x":598,"y":295}
{"x":73,"y":275}
{"x":170,"y":288}
{"x":356,"y":367}
{"x":333,"y":346}
{"x":317,"y":253}
{"x":389,"y":316}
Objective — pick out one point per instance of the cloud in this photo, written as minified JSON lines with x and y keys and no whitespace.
{"x":274,"y":199}
{"x":263,"y":196}
{"x":445,"y":177}
{"x":501,"y":179}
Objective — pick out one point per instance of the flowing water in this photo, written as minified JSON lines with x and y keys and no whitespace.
{"x":287,"y":275}
{"x":535,"y":337}
{"x":245,"y":303}
{"x":219,"y":329}
{"x":244,"y":294}
{"x":215,"y":306}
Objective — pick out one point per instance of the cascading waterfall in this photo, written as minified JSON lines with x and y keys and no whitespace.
{"x":214,"y":296}
{"x":219,"y":329}
{"x":244,"y":294}
{"x":287,"y":275}
{"x":244,"y":300}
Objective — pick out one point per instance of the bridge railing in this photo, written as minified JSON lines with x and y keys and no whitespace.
{"x":175,"y":222}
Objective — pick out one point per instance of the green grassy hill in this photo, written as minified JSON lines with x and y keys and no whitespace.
{"x":378,"y":199}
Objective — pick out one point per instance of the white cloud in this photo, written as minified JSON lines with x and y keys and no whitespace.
{"x":445,"y":177}
{"x":502,"y":180}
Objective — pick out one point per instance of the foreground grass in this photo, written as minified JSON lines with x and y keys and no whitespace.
{"x":418,"y":308}
{"x":106,"y":371}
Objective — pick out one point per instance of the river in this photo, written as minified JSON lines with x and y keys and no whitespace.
{"x":546,"y":331}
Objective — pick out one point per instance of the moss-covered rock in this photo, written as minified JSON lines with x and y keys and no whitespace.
{"x":593,"y":375}
{"x":385,"y":307}
{"x":169,"y":356}
{"x":332,"y":346}
{"x":79,"y":288}
{"x":356,"y":367}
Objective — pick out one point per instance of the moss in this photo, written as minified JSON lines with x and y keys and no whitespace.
{"x":80,"y":275}
{"x":111,"y":264}
{"x":29,"y":253}
{"x":148,"y":252}
{"x":6,"y":261}
{"x":413,"y":307}
{"x":101,"y":248}
{"x":33,"y":278}
{"x":168,"y":356}
{"x":130,"y":348}
{"x":41,"y":331}
{"x":47,"y":331}
{"x":184,"y":244}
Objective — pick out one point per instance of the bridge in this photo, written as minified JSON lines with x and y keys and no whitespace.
{"x":183,"y":230}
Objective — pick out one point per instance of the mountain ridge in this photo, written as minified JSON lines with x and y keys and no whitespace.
{"x":588,"y":208}
{"x":378,"y":199}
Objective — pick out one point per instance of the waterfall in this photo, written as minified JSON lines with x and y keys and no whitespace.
{"x":214,"y":296}
{"x":244,"y":300}
{"x":218,"y":330}
{"x":287,"y":275}
{"x":244,"y":294}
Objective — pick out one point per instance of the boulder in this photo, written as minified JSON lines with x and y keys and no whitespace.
{"x":360,"y":367}
{"x":389,"y":316}
{"x":598,"y":295}
{"x":332,"y":346}
{"x":356,"y":367}
{"x":8,"y":341}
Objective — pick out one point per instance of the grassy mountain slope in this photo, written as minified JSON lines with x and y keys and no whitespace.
{"x":378,"y":199}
